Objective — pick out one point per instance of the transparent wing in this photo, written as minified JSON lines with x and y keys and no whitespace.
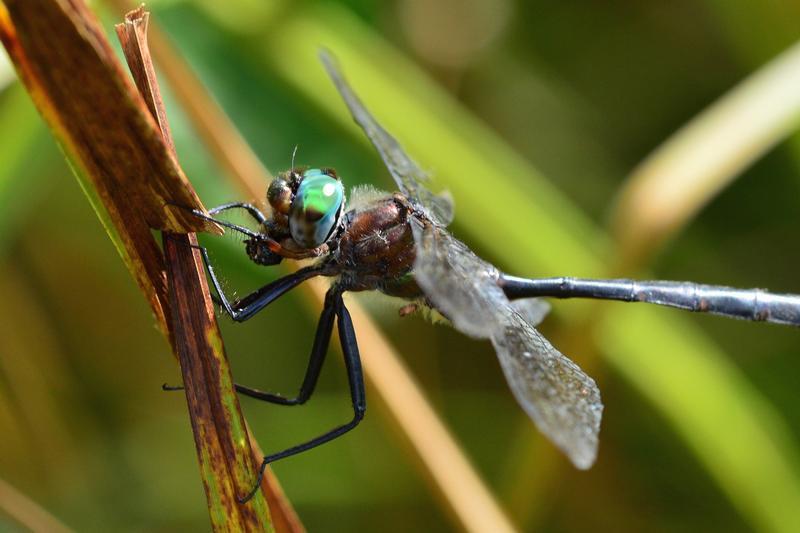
{"x":462,"y":286}
{"x":533,"y":310}
{"x":406,"y":173}
{"x":560,"y":398}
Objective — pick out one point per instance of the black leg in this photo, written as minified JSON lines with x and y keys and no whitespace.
{"x":246,"y":307}
{"x":318,"y":352}
{"x":250,"y":208}
{"x":355,"y":376}
{"x":241,"y":229}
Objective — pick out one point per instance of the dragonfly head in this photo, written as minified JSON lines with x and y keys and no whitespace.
{"x":308,"y":204}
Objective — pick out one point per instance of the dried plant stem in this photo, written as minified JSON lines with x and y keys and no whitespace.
{"x":226,"y":462}
{"x":80,"y":110}
{"x":223,"y":449}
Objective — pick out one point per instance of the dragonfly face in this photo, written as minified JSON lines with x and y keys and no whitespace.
{"x":370,"y":246}
{"x":307,"y":206}
{"x":307,"y":213}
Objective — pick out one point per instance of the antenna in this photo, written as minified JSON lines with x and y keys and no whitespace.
{"x":294,"y":153}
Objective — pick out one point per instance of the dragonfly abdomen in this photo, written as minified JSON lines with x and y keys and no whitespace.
{"x":747,"y":304}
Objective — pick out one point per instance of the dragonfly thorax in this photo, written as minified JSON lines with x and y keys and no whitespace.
{"x":376,"y":249}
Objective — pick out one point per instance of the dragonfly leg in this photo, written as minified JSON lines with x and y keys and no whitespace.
{"x":246,"y":307}
{"x":316,"y":359}
{"x":355,"y":376}
{"x":260,"y":217}
{"x":318,"y":352}
{"x":241,"y":229}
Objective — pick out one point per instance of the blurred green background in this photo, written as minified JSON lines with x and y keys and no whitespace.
{"x":533,"y":114}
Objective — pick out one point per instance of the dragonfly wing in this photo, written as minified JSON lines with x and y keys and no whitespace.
{"x":560,"y":398}
{"x":533,"y":310}
{"x":461,"y":286}
{"x":406,"y":173}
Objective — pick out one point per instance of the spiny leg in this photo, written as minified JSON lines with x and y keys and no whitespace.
{"x":355,"y":377}
{"x":246,"y":307}
{"x":291,"y":252}
{"x":241,"y":229}
{"x":260,"y":217}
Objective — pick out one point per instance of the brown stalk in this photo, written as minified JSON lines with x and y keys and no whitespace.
{"x":80,"y":89}
{"x":133,"y":36}
{"x":125,"y":160}
{"x":445,"y":465}
{"x":216,"y":418}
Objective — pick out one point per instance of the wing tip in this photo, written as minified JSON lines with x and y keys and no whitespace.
{"x":584,"y":457}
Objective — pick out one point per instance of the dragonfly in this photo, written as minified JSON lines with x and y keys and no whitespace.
{"x":397,"y":243}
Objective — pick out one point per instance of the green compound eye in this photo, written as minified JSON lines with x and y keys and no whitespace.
{"x":316,"y":208}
